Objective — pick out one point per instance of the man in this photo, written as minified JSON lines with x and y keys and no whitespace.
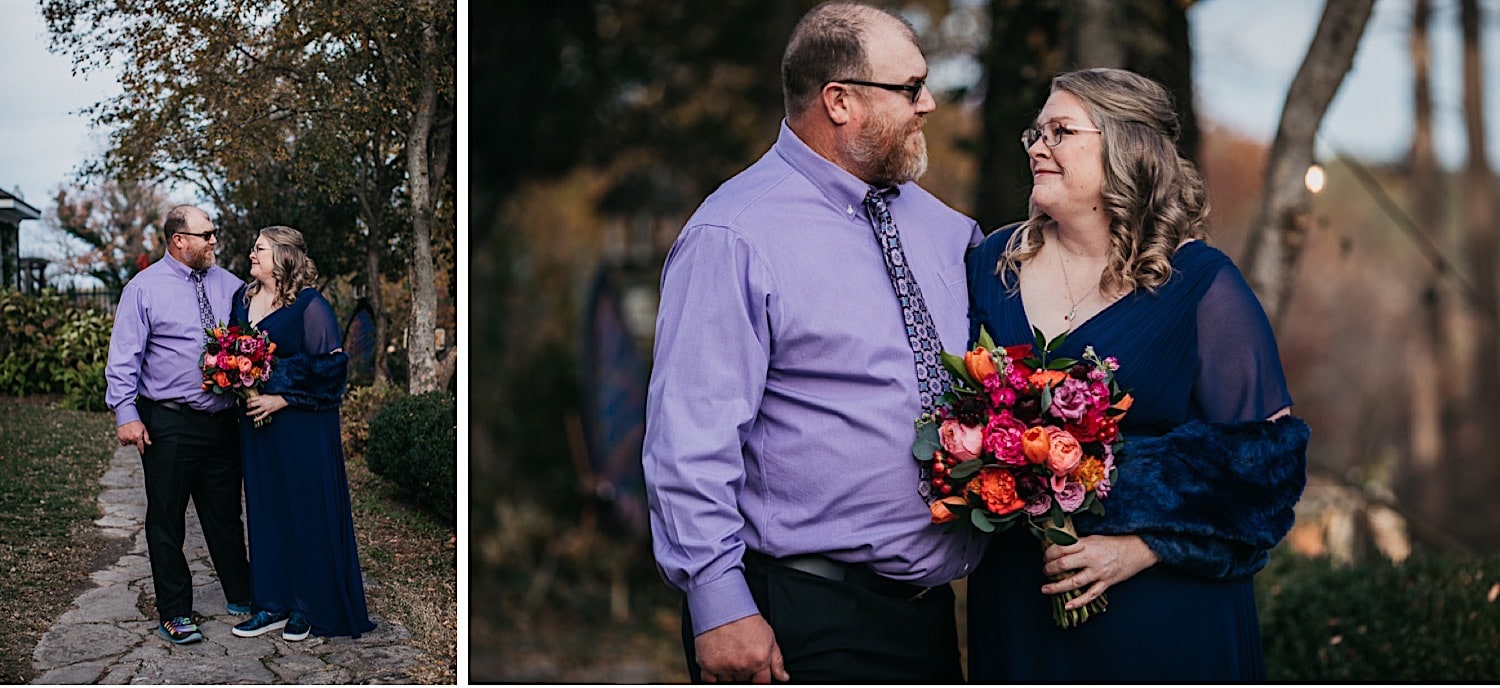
{"x":784,"y":496}
{"x":188,"y":438}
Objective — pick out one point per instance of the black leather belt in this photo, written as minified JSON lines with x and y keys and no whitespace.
{"x":178,"y":406}
{"x":854,"y":574}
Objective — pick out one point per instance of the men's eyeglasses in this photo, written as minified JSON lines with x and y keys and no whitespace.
{"x":206,"y":236}
{"x":914,"y":90}
{"x":1051,"y":133}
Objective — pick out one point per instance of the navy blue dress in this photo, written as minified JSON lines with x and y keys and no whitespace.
{"x":303,"y":555}
{"x":1199,"y":348}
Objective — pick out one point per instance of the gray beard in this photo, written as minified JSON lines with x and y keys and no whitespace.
{"x":890,"y":165}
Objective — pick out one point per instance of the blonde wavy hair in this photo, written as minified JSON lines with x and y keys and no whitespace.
{"x":1155,"y":197}
{"x":291,"y":267}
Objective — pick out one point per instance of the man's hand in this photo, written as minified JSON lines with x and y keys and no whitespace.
{"x":134,"y":433}
{"x":1097,"y":562}
{"x":741,"y":650}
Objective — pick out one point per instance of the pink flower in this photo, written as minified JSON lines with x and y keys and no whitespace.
{"x":964,"y":442}
{"x":1064,"y":453}
{"x":1070,"y":496}
{"x":1003,"y":438}
{"x":1001,"y":395}
{"x":1071,"y":399}
{"x":1039,"y":504}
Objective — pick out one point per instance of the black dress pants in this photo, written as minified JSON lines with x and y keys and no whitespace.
{"x":841,"y":632}
{"x":193,"y":455}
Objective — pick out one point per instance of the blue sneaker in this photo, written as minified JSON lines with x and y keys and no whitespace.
{"x":262,"y":622}
{"x":239,"y":608}
{"x":297,"y":628}
{"x":179,"y":630}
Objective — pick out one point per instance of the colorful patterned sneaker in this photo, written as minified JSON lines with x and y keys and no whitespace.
{"x":297,"y":628}
{"x":262,"y":622}
{"x":239,"y":608}
{"x":179,"y":631}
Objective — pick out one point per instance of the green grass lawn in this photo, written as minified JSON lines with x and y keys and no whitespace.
{"x":50,"y":464}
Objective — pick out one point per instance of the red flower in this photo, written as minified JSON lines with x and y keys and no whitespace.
{"x":1016,"y":352}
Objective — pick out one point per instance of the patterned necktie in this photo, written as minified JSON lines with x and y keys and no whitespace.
{"x":921,"y":334}
{"x":205,"y":311}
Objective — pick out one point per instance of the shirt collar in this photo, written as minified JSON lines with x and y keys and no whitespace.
{"x":181,"y":269}
{"x":844,"y":190}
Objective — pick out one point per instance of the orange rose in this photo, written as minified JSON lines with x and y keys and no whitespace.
{"x":221,"y":378}
{"x":1036,"y":445}
{"x":940,"y":511}
{"x":1047,"y":378}
{"x":980,"y":363}
{"x":997,"y":487}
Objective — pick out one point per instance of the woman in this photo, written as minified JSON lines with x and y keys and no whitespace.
{"x":1113,"y":255}
{"x":304,"y":567}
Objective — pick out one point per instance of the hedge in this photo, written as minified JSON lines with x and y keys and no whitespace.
{"x":48,"y":345}
{"x":1431,"y":618}
{"x":413,"y":441}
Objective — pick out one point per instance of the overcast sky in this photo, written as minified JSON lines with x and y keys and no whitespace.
{"x":1245,"y":55}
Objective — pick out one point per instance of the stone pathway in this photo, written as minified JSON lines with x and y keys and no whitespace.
{"x":106,"y":639}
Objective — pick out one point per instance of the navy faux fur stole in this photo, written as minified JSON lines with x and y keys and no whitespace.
{"x":1210,"y":498}
{"x":312,"y":382}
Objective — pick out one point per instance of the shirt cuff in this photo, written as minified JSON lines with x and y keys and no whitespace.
{"x":126,"y":413}
{"x":720,"y":602}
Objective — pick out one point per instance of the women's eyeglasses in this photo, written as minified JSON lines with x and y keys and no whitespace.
{"x":1051,"y":133}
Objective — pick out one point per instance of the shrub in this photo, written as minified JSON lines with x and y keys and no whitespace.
{"x":360,"y":405}
{"x":414,"y":443}
{"x":49,"y":345}
{"x":83,"y":350}
{"x":1431,"y":618}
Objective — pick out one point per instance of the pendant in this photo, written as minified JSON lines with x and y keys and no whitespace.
{"x":1071,"y":312}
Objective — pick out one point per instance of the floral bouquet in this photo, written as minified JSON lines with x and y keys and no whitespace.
{"x":1024,"y":438}
{"x":236,"y":359}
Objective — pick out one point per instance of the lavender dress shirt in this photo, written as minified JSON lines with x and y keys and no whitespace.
{"x":783,"y":394}
{"x":158,"y":339}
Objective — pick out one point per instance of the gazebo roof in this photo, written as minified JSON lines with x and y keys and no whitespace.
{"x":13,"y":209}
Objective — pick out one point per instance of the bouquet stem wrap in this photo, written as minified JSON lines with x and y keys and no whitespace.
{"x":1064,"y":617}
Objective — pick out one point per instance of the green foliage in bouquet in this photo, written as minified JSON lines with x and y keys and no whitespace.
{"x":413,"y":442}
{"x":1429,"y":619}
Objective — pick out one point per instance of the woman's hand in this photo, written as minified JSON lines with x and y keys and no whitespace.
{"x":262,"y":406}
{"x":1097,"y":562}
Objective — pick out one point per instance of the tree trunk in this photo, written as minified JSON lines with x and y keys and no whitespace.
{"x":1099,"y":35}
{"x":377,"y":306}
{"x":1280,"y":229}
{"x":1479,"y":215}
{"x":420,"y":348}
{"x":1025,"y":51}
{"x":1433,"y":392}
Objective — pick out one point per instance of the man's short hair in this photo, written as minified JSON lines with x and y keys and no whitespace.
{"x":177,"y":219}
{"x":828,"y":44}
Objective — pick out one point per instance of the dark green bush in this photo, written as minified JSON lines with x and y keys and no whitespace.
{"x":1431,"y":618}
{"x":49,"y":345}
{"x":360,"y":405}
{"x":413,"y":442}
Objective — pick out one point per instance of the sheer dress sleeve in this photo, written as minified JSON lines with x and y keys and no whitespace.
{"x":1239,"y":379}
